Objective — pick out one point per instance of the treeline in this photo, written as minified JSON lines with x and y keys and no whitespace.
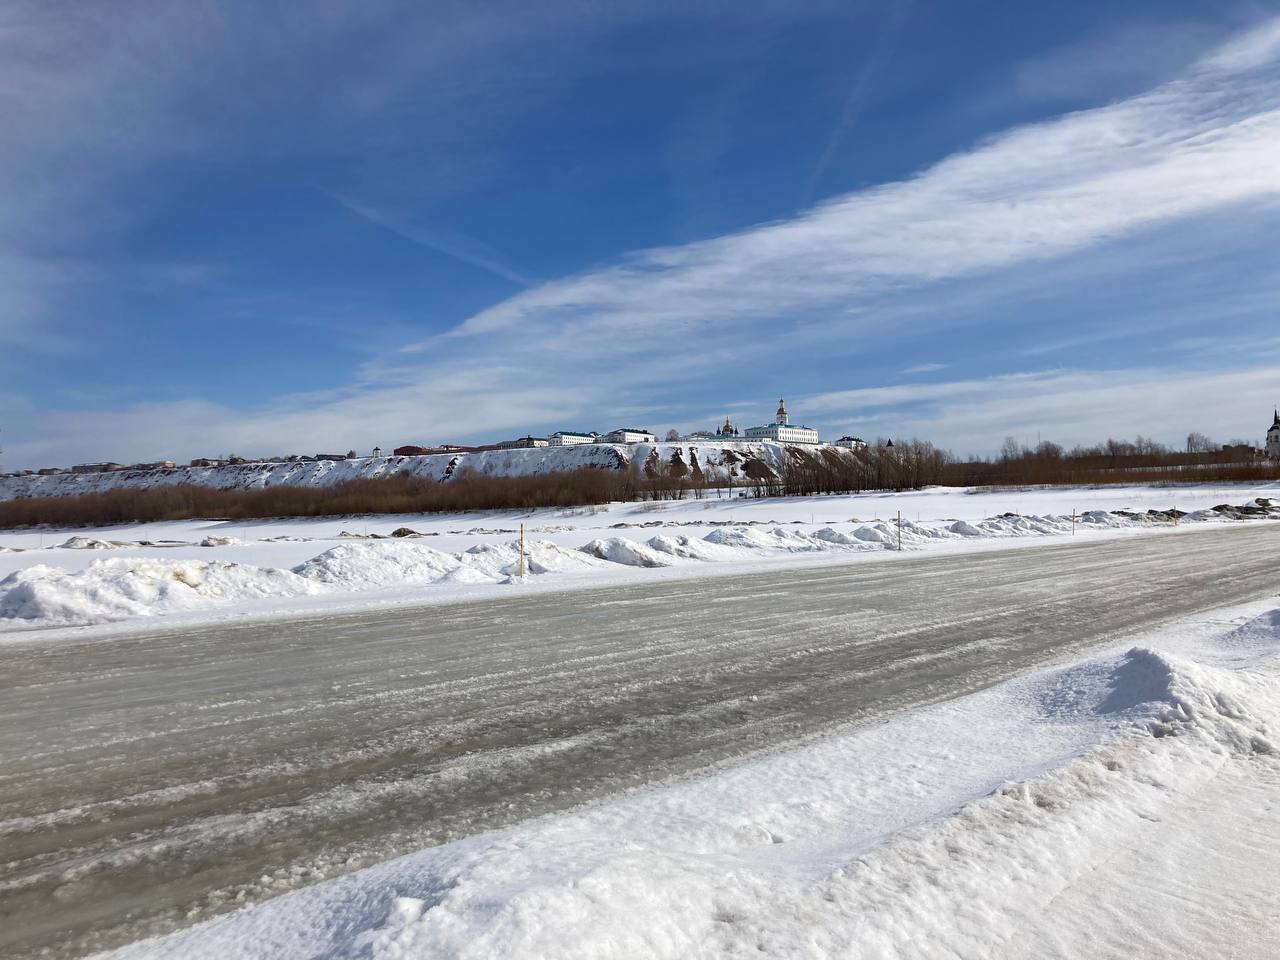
{"x":1141,"y":460}
{"x":907,"y":465}
{"x":395,"y":494}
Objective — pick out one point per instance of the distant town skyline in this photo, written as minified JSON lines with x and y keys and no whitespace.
{"x":221,"y":232}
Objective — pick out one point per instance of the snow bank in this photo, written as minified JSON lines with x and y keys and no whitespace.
{"x":863,"y":844}
{"x":691,"y":548}
{"x":118,"y":588}
{"x":499,"y":561}
{"x":88,"y":543}
{"x":626,"y":552}
{"x":143,"y":586}
{"x":778,"y":538}
{"x":380,"y":563}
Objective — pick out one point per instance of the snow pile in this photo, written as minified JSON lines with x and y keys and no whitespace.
{"x":88,"y":543}
{"x":214,"y":541}
{"x":130,"y":587}
{"x":879,"y":842}
{"x":626,"y":552}
{"x":382,"y":563}
{"x":369,"y":565}
{"x":499,"y":561}
{"x":778,"y":538}
{"x":690,"y":548}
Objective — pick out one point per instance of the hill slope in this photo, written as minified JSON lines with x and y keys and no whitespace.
{"x":718,"y":462}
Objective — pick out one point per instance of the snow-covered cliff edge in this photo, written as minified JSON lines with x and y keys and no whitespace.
{"x":718,"y":462}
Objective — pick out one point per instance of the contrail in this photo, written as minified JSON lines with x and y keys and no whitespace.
{"x":880,"y":55}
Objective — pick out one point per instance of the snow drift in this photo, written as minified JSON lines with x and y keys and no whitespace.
{"x":119,"y":588}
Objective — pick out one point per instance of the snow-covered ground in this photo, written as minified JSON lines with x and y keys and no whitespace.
{"x":196,"y":570}
{"x":1116,"y":807}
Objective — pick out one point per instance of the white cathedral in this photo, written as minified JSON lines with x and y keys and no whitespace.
{"x":782,"y":430}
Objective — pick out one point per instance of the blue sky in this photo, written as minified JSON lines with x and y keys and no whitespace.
{"x":254,"y":228}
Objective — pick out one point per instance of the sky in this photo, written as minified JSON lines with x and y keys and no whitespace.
{"x":267,"y":228}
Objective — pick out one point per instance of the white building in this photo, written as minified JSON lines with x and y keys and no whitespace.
{"x":852,"y":443}
{"x":1272,"y":449}
{"x":568,"y":438}
{"x":523,"y":443}
{"x":782,"y":430}
{"x":628,"y":435}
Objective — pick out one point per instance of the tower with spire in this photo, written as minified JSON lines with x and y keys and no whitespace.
{"x":1273,"y":437}
{"x":780,"y":417}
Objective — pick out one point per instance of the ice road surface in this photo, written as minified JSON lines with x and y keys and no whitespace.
{"x":198,"y":570}
{"x":1126,"y":805}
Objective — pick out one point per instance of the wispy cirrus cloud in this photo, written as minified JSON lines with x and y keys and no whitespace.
{"x":923,"y":368}
{"x":1207,"y":140}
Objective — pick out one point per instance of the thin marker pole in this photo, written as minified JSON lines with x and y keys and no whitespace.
{"x":522,"y":551}
{"x":899,"y":531}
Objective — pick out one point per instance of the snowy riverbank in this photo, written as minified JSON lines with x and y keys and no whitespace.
{"x":198,"y":569}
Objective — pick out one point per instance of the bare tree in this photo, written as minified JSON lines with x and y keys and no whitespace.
{"x":673,"y":435}
{"x":1199,"y":443}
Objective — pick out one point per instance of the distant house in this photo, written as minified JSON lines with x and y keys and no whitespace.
{"x":96,"y":467}
{"x":628,"y":435}
{"x":523,"y":442}
{"x":570,"y":438}
{"x":852,"y":443}
{"x":411,"y":451}
{"x":47,"y":472}
{"x":1241,"y":451}
{"x":157,"y":465}
{"x":206,"y":462}
{"x":330,"y":456}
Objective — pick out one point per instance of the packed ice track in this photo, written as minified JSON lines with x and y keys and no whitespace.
{"x":152,"y":780}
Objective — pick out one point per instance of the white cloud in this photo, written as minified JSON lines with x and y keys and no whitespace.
{"x":923,"y":368}
{"x":1205,"y":141}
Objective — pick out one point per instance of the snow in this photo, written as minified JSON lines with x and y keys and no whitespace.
{"x":1118,"y":806}
{"x":626,"y":552}
{"x":120,"y":587}
{"x":276,"y":567}
{"x":361,"y":566}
